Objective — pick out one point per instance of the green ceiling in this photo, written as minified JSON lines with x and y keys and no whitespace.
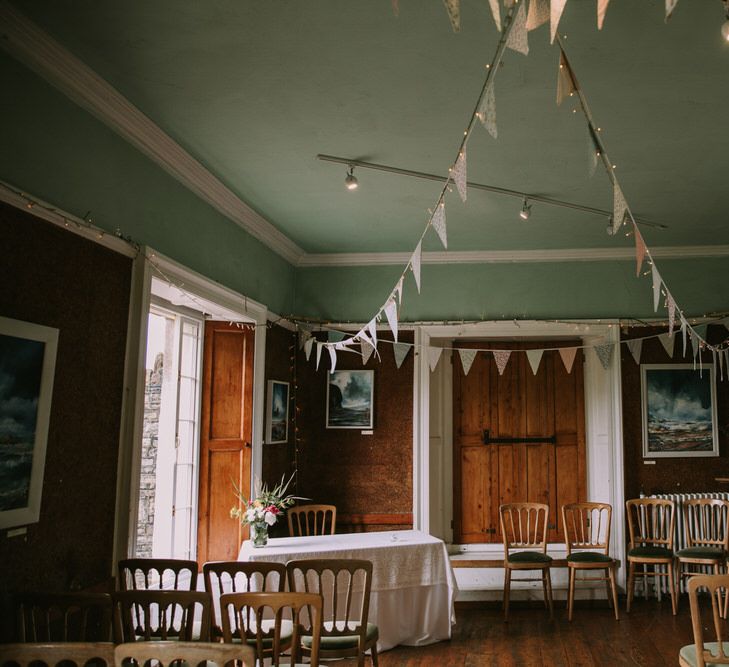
{"x":255,"y":90}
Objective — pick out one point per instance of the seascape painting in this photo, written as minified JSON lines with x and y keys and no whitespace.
{"x":679,"y":411}
{"x":277,"y":418}
{"x":27,"y":360}
{"x":350,"y":399}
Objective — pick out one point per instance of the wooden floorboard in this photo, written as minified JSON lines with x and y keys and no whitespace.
{"x":650,"y":636}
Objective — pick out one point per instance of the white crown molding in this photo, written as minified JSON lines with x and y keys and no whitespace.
{"x":508,"y":256}
{"x":26,"y":42}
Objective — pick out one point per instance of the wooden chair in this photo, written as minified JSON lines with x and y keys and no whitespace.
{"x":587,"y":537}
{"x":345,"y":586}
{"x":161,"y":615}
{"x":312,"y":520}
{"x":187,"y":654}
{"x":63,"y":617}
{"x":240,"y":577}
{"x":707,"y":537}
{"x":52,"y":654}
{"x":651,"y":525}
{"x":157,"y":573}
{"x":249,"y":615}
{"x":524,"y":532}
{"x":701,"y":653}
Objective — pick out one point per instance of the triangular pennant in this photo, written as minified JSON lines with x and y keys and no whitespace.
{"x":487,"y":112}
{"x":684,"y":328}
{"x":391,"y":314}
{"x":434,"y":356}
{"x":307,"y":347}
{"x":671,"y":313}
{"x":601,"y":9}
{"x":318,"y":353}
{"x":534,"y":357}
{"x":656,"y":286}
{"x":701,"y":330}
{"x":640,"y":250}
{"x":568,"y":355}
{"x":366,"y":349}
{"x":718,"y":353}
{"x":566,"y":81}
{"x":372,"y":328}
{"x":467,"y":356}
{"x":332,"y":357}
{"x":400,"y":351}
{"x":454,"y":13}
{"x":620,"y":207}
{"x":726,"y":360}
{"x":396,"y":8}
{"x":335,"y":336}
{"x":669,"y":343}
{"x":518,"y":40}
{"x":604,"y":353}
{"x":695,"y":343}
{"x":635,"y":346}
{"x":439,"y":224}
{"x":670,"y":6}
{"x":398,"y":289}
{"x":556,"y":8}
{"x":593,"y":150}
{"x":459,"y":175}
{"x":304,"y":335}
{"x":502,"y":358}
{"x":496,"y":13}
{"x":415,"y":264}
{"x":538,"y":13}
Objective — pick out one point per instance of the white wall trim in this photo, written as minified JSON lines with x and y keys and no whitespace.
{"x":36,"y":49}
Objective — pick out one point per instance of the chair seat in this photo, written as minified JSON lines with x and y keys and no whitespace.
{"x":287,"y":632}
{"x":688,"y":653}
{"x":342,"y":642}
{"x":589,"y":557}
{"x":650,"y":552}
{"x":710,"y":553}
{"x":529,"y":557}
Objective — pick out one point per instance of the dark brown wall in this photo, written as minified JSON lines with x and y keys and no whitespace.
{"x":668,"y":475}
{"x":363,"y":475}
{"x":52,"y":277}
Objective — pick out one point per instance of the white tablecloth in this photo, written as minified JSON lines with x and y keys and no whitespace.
{"x":413,"y":587}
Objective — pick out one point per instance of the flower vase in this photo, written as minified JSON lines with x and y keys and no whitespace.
{"x":259,"y":534}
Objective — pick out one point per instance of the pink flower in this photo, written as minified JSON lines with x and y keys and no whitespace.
{"x":273,"y":509}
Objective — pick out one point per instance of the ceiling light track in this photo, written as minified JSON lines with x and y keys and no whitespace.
{"x":481,"y":186}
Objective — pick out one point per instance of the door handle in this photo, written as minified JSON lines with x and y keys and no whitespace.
{"x":248,"y":445}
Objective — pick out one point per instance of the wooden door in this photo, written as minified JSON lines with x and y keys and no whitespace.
{"x":542,"y":414}
{"x":225,"y":437}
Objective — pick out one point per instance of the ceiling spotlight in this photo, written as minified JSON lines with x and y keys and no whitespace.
{"x":725,"y":25}
{"x":526,"y":210}
{"x":350,"y":180}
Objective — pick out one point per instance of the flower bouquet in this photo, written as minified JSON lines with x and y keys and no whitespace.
{"x":264,"y":509}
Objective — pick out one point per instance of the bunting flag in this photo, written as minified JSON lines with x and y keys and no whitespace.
{"x":635,"y":346}
{"x":398,"y":289}
{"x":726,"y":359}
{"x":620,"y":207}
{"x":671,"y":313}
{"x":534,"y":357}
{"x":467,"y":357}
{"x":670,"y":6}
{"x":502,"y":358}
{"x":487,"y":112}
{"x":434,"y":356}
{"x":453,"y":7}
{"x":695,"y":343}
{"x":701,"y":330}
{"x":656,"y":286}
{"x":400,"y":351}
{"x":721,"y":362}
{"x":684,"y":327}
{"x":372,"y":328}
{"x":568,"y":355}
{"x":669,"y":343}
{"x":538,"y":13}
{"x":318,"y":353}
{"x":332,"y":357}
{"x":604,"y":353}
{"x":307,"y":347}
{"x":496,"y":13}
{"x":439,"y":224}
{"x":518,"y":40}
{"x":415,"y":264}
{"x":335,"y":336}
{"x":556,"y":7}
{"x":640,"y":250}
{"x":593,"y":150}
{"x":459,"y":175}
{"x":391,"y":314}
{"x":396,"y":8}
{"x":366,"y":349}
{"x":566,"y":82}
{"x":304,"y":335}
{"x":601,"y":9}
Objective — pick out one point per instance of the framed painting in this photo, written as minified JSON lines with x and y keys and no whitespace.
{"x":277,"y":417}
{"x":679,"y":411}
{"x":350,"y":397}
{"x":27,"y":365}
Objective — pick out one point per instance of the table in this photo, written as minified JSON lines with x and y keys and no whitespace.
{"x":413,"y":586}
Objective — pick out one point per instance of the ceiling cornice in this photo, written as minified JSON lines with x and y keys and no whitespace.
{"x":26,"y":42}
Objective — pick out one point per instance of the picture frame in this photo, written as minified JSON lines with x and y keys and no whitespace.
{"x":678,"y":411}
{"x":277,"y":415}
{"x":27,"y":367}
{"x":350,"y":400}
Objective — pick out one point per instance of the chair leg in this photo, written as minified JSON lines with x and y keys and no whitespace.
{"x":613,"y":586}
{"x":631,"y":586}
{"x":507,"y":589}
{"x":672,"y":588}
{"x":373,"y":653}
{"x":549,"y":592}
{"x":571,"y":593}
{"x":544,"y":588}
{"x":717,"y":569}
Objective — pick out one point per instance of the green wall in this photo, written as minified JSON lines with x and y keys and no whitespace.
{"x":55,"y":150}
